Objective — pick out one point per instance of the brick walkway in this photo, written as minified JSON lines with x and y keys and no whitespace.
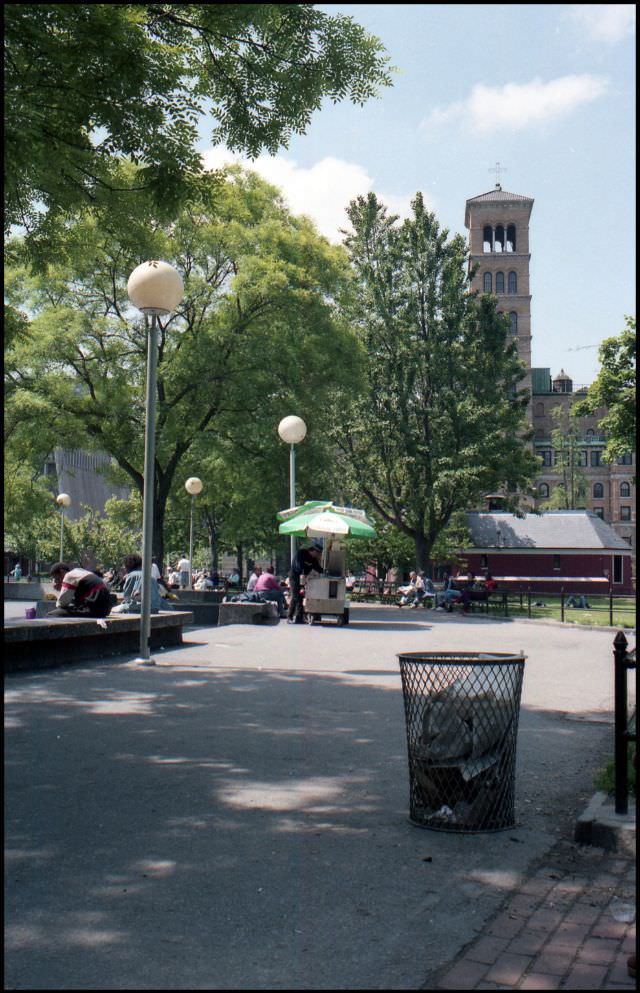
{"x":557,"y":932}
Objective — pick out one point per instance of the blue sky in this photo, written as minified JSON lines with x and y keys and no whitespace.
{"x":547,"y":90}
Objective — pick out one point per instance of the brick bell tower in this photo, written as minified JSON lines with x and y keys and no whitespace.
{"x":498,"y":224}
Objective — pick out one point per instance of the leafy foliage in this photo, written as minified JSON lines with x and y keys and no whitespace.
{"x":615,"y":389}
{"x":570,"y":493}
{"x":441,"y":420}
{"x":89,"y":84}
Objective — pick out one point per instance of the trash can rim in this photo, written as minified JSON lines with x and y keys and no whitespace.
{"x":493,"y":658}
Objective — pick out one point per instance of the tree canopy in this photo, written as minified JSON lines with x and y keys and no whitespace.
{"x":256,"y":336}
{"x":89,"y":84}
{"x":441,"y":421}
{"x":615,"y":389}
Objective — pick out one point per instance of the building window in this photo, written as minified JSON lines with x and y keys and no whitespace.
{"x":513,"y":282}
{"x":583,"y":458}
{"x":599,"y":512}
{"x":484,"y":561}
{"x":539,"y":410}
{"x":625,"y":490}
{"x":596,"y":458}
{"x":557,"y":562}
{"x":617,"y":568}
{"x":513,"y":320}
{"x":511,"y":238}
{"x":487,"y":238}
{"x":625,"y":513}
{"x":625,"y":459}
{"x":543,"y":491}
{"x":499,"y":282}
{"x":547,"y":457}
{"x":598,"y":491}
{"x":498,"y":244}
{"x":487,"y":282}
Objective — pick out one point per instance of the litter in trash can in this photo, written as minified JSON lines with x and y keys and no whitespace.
{"x":462,"y":716}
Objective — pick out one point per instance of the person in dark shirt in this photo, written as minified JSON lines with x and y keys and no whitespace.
{"x":304,"y":561}
{"x":80,"y":593}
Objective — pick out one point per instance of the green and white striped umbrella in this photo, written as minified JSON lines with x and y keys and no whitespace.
{"x":321,"y":519}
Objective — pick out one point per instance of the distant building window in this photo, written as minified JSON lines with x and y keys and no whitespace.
{"x":487,"y":238}
{"x":596,"y":458}
{"x":583,"y":458}
{"x":599,"y":512}
{"x":617,"y":568}
{"x":543,"y":490}
{"x":487,"y":282}
{"x":598,"y":491}
{"x":625,"y":459}
{"x":547,"y":457}
{"x":539,"y":410}
{"x":625,"y":513}
{"x":511,"y":238}
{"x":484,"y":561}
{"x":590,"y":432}
{"x":557,"y":562}
{"x":499,"y":282}
{"x":498,"y":242}
{"x":513,"y":282}
{"x":625,"y":490}
{"x":513,"y":320}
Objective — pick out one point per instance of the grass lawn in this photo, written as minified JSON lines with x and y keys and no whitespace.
{"x":624,"y":610}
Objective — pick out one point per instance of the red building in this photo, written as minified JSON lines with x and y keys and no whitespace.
{"x":572,"y":550}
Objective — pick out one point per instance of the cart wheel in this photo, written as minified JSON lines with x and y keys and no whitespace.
{"x":343,"y":619}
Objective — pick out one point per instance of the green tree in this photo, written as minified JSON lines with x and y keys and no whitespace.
{"x":614,"y":389}
{"x":441,"y":421}
{"x":89,"y":84}
{"x":570,"y":493}
{"x":257,"y":332}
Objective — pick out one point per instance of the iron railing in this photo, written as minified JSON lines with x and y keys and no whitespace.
{"x":624,"y":660}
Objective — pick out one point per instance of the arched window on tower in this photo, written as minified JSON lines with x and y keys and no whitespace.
{"x":543,"y":491}
{"x":598,"y":491}
{"x":487,"y":238}
{"x":499,"y":282}
{"x":487,"y":282}
{"x":513,"y":282}
{"x":625,"y":490}
{"x":511,"y":237}
{"x":498,"y":245}
{"x":513,"y":321}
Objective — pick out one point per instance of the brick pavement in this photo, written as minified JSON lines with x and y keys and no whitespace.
{"x":558,"y":931}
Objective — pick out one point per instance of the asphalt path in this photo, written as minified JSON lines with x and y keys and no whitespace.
{"x":236,"y":816}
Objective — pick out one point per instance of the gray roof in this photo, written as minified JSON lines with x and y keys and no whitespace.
{"x":500,"y":194}
{"x":579,"y":529}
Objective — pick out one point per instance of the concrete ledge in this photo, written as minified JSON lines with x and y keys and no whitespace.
{"x":248,"y":613}
{"x":26,"y":591}
{"x":601,"y":827}
{"x":41,"y":644}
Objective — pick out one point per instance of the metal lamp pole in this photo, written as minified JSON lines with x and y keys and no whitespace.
{"x":155,"y":288}
{"x":193,"y":486}
{"x":63,"y":500}
{"x":292,"y":430}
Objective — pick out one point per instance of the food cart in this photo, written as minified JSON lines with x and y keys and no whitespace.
{"x":325,"y":595}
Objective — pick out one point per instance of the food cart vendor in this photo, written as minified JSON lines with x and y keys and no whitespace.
{"x":304,"y":561}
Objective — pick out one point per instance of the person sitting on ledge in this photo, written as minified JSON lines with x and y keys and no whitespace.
{"x":132,"y":589}
{"x":81,"y":593}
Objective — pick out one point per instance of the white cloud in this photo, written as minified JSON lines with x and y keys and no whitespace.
{"x":605,"y":22}
{"x":518,"y":105}
{"x":322,"y":191}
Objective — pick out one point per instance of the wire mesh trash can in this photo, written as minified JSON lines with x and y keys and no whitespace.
{"x":462,"y":711}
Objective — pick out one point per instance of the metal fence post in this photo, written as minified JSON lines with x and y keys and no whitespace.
{"x":529,"y":601}
{"x":610,"y":606}
{"x":620,"y":748}
{"x":562,"y":604}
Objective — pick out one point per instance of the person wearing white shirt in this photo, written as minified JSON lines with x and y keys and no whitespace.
{"x":184,"y":568}
{"x":253,"y":578}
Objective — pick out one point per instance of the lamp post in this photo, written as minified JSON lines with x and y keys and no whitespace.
{"x":63,"y":500}
{"x":193,"y":486}
{"x":155,"y":288}
{"x":292,"y":430}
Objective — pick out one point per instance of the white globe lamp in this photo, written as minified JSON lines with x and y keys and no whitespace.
{"x":155,"y":288}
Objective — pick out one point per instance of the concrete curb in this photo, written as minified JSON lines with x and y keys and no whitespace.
{"x":601,"y":827}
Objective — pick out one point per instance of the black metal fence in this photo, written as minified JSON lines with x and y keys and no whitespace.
{"x":624,"y":660}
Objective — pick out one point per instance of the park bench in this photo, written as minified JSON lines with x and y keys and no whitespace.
{"x":240,"y":612}
{"x":47,"y":642}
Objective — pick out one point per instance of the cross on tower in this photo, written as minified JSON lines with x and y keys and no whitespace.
{"x":497,"y":168}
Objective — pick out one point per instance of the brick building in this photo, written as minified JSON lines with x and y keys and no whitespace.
{"x":498,"y":224}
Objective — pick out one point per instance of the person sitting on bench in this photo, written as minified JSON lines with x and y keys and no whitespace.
{"x":81,"y":593}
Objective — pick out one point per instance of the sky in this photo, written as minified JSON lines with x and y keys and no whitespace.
{"x":547,"y":91}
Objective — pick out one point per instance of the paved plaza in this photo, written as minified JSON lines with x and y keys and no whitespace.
{"x":236,"y":817}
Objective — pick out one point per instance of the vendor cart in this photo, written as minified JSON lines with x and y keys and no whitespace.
{"x":326,"y":594}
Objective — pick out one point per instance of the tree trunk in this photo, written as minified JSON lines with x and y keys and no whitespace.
{"x":239,"y":554}
{"x":423,"y":553}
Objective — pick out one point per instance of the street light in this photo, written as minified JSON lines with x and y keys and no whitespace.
{"x":292,"y":430}
{"x":193,"y":486}
{"x":63,"y":500}
{"x":155,"y":288}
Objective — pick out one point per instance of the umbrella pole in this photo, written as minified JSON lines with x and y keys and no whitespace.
{"x":292,"y":493}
